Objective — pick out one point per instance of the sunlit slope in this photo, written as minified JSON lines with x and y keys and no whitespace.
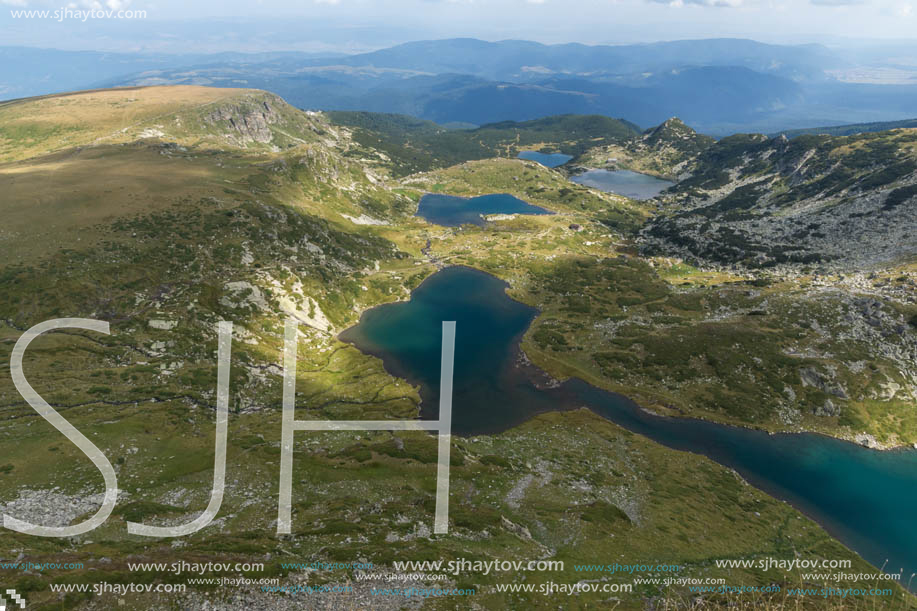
{"x":70,"y":164}
{"x":535,"y":184}
{"x":187,"y":115}
{"x":63,"y":199}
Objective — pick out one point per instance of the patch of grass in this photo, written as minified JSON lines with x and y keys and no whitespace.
{"x":138,"y":511}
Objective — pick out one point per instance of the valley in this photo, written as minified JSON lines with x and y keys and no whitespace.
{"x":164,"y":210}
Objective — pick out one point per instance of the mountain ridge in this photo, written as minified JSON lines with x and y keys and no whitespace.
{"x":764,"y":202}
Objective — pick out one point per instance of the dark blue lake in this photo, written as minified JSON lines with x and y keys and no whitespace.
{"x":551,"y":160}
{"x":866,"y":498}
{"x":452,"y":211}
{"x":624,"y":182}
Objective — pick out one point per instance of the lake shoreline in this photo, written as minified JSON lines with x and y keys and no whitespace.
{"x":578,"y":170}
{"x":626,"y":183}
{"x":826,"y":478}
{"x":446,"y":210}
{"x":526,"y":362}
{"x":393,"y":369}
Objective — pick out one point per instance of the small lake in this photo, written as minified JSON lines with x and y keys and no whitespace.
{"x":624,"y":182}
{"x":865,"y":498}
{"x":550,"y":160}
{"x":453,"y":211}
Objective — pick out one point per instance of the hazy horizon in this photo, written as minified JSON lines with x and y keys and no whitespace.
{"x":348,"y":26}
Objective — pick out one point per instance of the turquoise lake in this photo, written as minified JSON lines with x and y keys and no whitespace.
{"x":624,"y":182}
{"x":453,"y":211}
{"x":550,"y":160}
{"x":865,"y":498}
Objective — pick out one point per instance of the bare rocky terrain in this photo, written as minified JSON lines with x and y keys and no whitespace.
{"x":842,"y":203}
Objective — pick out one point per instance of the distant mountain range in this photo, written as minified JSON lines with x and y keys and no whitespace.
{"x":851,"y":130}
{"x":26,"y":71}
{"x":516,"y":60}
{"x":719,"y":86}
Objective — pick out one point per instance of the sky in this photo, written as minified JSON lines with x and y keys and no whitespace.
{"x":356,"y":25}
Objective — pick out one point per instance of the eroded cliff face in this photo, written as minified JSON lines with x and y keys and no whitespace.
{"x":246,"y":121}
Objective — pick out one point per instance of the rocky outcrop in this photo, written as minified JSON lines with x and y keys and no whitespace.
{"x":667,"y":150}
{"x":758,"y":202}
{"x":823,"y":382}
{"x":245,"y":122}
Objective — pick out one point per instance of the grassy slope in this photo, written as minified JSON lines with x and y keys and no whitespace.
{"x":36,"y":126}
{"x":533,"y":183}
{"x":730,"y":352}
{"x":77,"y":162}
{"x":273,"y":220}
{"x":413,"y":145}
{"x":665,"y":151}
